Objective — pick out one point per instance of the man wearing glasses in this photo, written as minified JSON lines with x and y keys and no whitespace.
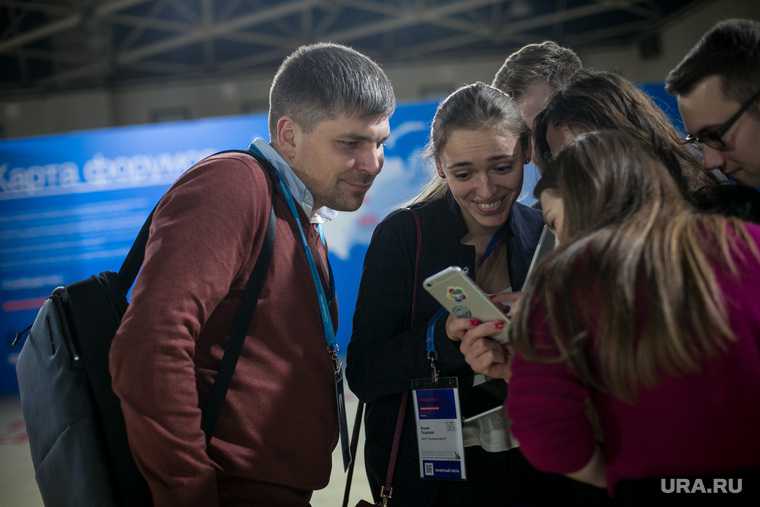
{"x":717,"y":86}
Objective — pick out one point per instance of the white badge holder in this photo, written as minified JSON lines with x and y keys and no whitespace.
{"x":439,"y":428}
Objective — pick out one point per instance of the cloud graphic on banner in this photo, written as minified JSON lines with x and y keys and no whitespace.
{"x":399,"y":181}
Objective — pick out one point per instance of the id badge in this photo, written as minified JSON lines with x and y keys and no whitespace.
{"x":439,"y":428}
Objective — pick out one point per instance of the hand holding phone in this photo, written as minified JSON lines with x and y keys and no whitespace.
{"x":487,"y":356}
{"x":506,"y":302}
{"x":459,"y":294}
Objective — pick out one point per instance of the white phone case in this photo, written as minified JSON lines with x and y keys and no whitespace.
{"x":463,"y":298}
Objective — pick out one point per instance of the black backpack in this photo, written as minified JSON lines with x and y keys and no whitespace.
{"x":76,"y":428}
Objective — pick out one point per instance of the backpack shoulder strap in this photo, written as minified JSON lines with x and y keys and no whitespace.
{"x":240,"y":325}
{"x":134,"y":259}
{"x":131,"y":266}
{"x":210,"y":412}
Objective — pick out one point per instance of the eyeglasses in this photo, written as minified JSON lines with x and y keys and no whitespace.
{"x":713,"y":136}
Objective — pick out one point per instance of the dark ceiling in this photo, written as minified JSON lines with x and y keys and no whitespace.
{"x":72,"y":44}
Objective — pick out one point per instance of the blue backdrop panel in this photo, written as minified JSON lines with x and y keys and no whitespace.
{"x":70,"y":205}
{"x":664,"y":101}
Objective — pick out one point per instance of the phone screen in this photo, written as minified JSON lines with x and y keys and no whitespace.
{"x":483,"y":399}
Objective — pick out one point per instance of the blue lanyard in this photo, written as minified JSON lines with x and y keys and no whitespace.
{"x":324,"y":308}
{"x":432,"y":355}
{"x":494,"y":243}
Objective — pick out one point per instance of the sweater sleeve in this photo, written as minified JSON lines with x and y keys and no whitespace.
{"x":546,"y":403}
{"x":384,"y":353}
{"x":201,"y":241}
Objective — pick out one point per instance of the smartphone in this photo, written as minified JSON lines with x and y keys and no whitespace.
{"x":459,"y":294}
{"x":485,"y":397}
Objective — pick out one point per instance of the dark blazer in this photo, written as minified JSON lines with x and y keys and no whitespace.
{"x":387,"y":348}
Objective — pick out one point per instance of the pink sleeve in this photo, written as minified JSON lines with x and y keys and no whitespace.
{"x":202,"y":236}
{"x":546,"y":405}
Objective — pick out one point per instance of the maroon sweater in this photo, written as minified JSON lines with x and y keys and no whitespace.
{"x":278,"y":424}
{"x":701,"y":423}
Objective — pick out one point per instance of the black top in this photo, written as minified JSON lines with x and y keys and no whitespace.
{"x":386,"y":350}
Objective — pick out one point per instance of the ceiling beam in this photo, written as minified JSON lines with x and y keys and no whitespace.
{"x":67,"y":23}
{"x":444,"y":43}
{"x":389,"y":20}
{"x":16,"y":17}
{"x":40,"y":33}
{"x":134,"y":35}
{"x":77,"y":58}
{"x":230,"y":6}
{"x":176,"y":27}
{"x":408,"y":18}
{"x":455,"y":24}
{"x":307,"y":23}
{"x":207,"y":18}
{"x":514,"y":29}
{"x":37,"y":7}
{"x":440,"y":44}
{"x":202,"y":33}
{"x":181,"y":7}
{"x":199,"y":34}
{"x":46,"y":55}
{"x":150,"y":22}
{"x":534,"y":22}
{"x":165,"y":67}
{"x":648,"y":11}
{"x":558,"y":30}
{"x":334,"y":12}
{"x":256,"y":38}
{"x":591,"y":36}
{"x":73,"y":74}
{"x":253,"y":60}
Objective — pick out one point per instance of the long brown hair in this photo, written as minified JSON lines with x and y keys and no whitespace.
{"x":636,"y":262}
{"x":599,"y":100}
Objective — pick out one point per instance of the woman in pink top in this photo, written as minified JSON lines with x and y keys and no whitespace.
{"x":649,"y":312}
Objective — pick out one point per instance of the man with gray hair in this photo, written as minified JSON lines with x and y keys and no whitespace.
{"x":278,"y":424}
{"x":533,"y":73}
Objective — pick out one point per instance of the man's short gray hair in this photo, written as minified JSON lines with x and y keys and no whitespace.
{"x":321,"y":81}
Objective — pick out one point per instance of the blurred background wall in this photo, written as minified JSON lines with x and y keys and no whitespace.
{"x":71,"y":65}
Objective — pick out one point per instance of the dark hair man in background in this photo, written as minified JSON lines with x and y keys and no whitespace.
{"x":328,"y":119}
{"x":717,"y":86}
